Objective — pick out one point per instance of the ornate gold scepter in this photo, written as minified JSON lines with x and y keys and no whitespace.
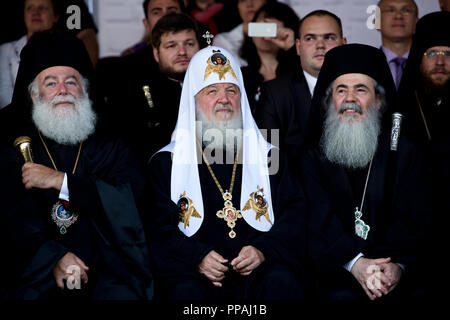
{"x":23,"y":145}
{"x":148,"y":95}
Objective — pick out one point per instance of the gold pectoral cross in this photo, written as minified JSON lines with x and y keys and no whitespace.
{"x":229,"y":213}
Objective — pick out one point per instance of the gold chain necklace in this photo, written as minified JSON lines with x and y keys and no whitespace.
{"x":61,"y":213}
{"x":50,"y":156}
{"x":228,"y":213}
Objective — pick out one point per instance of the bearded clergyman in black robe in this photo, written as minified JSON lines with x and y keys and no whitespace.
{"x":69,"y":216}
{"x":425,"y":103}
{"x":224,"y":218}
{"x":366,"y":195}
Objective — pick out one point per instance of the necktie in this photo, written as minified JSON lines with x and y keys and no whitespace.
{"x":399,"y":65}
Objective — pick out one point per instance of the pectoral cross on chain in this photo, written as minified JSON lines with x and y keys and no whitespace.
{"x":208,"y":36}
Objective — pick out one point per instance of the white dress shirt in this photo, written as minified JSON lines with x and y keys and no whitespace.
{"x":9,"y":65}
{"x":311,"y":81}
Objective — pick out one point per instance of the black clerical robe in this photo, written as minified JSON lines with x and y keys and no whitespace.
{"x":396,"y":207}
{"x":108,"y":235}
{"x":175,"y":256}
{"x":128,"y":114}
{"x":437,"y":162}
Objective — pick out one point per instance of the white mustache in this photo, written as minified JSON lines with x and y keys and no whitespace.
{"x":350,"y":106}
{"x":223,"y":106}
{"x":59,"y":99}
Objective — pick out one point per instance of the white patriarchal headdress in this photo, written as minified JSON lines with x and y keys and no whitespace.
{"x":209,"y":66}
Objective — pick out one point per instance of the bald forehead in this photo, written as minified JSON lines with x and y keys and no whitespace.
{"x":319,"y":25}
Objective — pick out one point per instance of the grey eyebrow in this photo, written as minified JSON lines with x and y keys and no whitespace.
{"x":50,"y":77}
{"x":71,"y":76}
{"x":361,"y":85}
{"x":342,"y":86}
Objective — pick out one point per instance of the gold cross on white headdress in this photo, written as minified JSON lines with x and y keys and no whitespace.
{"x":208,"y":36}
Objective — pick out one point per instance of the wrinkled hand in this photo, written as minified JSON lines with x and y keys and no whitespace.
{"x":64,"y":269}
{"x":42,"y":177}
{"x":212,"y":267}
{"x":369,"y":274}
{"x":393,"y":272}
{"x":285,"y":38}
{"x":248,"y":259}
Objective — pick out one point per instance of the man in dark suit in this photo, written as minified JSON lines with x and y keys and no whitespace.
{"x":398,"y":23}
{"x":284,"y":103}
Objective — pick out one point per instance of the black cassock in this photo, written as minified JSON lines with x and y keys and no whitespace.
{"x":108,"y":235}
{"x":127,"y":113}
{"x":396,"y":207}
{"x":175,"y":256}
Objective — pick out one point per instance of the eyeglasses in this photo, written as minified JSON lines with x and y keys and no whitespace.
{"x":434,"y":53}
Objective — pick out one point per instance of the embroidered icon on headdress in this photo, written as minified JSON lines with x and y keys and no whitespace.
{"x":258,"y":204}
{"x":187,"y":209}
{"x":219,"y":64}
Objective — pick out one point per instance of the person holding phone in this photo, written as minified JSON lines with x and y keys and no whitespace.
{"x":269,"y":57}
{"x":233,"y":39}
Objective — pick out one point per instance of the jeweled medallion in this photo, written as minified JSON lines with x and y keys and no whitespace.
{"x":62,"y":216}
{"x":361,"y":229}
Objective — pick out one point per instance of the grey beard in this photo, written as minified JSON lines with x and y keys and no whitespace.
{"x":351,"y":144}
{"x":68,"y":125}
{"x":219,"y":135}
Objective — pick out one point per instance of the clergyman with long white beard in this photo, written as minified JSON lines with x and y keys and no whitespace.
{"x":64,"y":211}
{"x":66,"y":118}
{"x":368,"y":204}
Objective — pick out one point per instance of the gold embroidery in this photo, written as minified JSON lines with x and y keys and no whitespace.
{"x":219,"y":64}
{"x":258,"y":204}
{"x":187,"y":209}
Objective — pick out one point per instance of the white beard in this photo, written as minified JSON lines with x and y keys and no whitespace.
{"x":351,"y":144}
{"x":225,"y":135}
{"x":65,"y":125}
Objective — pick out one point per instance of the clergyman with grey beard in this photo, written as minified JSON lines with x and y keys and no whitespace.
{"x":367,"y":204}
{"x":229,"y":230}
{"x":65,"y":210}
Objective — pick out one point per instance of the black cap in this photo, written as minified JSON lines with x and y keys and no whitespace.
{"x":44,"y":49}
{"x":432,"y":30}
{"x":49,"y":49}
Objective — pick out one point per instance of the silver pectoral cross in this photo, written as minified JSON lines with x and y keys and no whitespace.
{"x":208,"y":36}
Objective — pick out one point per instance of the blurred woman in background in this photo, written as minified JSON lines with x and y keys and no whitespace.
{"x":269,"y":58}
{"x":38,"y":15}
